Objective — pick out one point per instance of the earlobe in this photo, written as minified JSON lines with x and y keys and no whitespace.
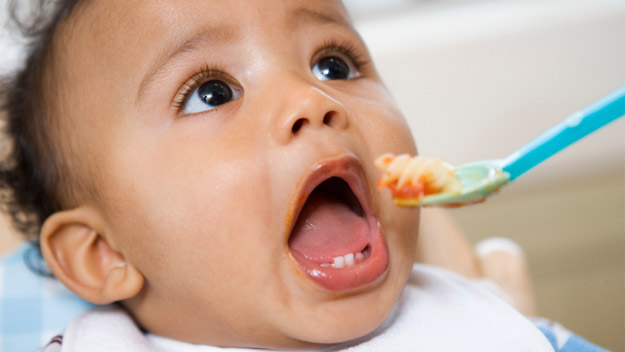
{"x":84,"y":260}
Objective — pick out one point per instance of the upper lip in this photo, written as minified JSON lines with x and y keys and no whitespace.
{"x":349,"y":169}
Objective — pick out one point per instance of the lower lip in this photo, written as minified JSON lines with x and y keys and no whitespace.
{"x":366,"y":273}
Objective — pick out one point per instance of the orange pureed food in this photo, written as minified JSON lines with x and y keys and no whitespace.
{"x":415,"y":177}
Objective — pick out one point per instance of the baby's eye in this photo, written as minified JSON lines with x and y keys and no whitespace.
{"x":334,"y":68}
{"x":209,"y":95}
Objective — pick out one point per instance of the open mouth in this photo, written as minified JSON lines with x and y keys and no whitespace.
{"x":336,"y":238}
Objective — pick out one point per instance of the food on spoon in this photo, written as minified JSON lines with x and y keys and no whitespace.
{"x":412,"y":178}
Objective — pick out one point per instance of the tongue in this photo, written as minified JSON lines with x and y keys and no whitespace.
{"x":327,"y":227}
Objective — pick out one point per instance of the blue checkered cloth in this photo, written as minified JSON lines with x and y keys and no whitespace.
{"x":563,"y":340}
{"x":33,"y":308}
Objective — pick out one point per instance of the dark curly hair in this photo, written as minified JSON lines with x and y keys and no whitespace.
{"x":31,"y":172}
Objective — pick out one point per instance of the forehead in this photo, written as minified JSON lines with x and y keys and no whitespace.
{"x":136,"y":22}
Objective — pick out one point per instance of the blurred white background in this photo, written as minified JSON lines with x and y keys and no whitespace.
{"x":477,"y":79}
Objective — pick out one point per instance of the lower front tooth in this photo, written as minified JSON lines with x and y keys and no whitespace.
{"x":339,"y":262}
{"x":349,"y":259}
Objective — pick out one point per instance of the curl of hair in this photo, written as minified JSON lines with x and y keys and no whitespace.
{"x":29,"y":175}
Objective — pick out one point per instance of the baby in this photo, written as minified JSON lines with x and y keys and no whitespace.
{"x":209,"y":167}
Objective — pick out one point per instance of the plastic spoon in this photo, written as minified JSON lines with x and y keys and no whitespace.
{"x":480,"y":179}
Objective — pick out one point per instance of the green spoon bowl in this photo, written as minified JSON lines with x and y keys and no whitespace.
{"x":478,"y":180}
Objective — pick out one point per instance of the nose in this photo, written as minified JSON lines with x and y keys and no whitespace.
{"x":309,"y":108}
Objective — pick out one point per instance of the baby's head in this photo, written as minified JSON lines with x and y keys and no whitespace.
{"x":209,"y":164}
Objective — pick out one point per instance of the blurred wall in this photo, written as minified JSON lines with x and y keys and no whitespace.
{"x":478,"y":79}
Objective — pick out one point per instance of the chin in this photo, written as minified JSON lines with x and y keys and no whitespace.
{"x":344,"y":330}
{"x":346,"y":318}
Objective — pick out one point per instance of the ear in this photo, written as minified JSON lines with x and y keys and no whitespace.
{"x":81,"y":257}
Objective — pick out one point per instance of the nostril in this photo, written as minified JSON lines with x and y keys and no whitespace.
{"x":298,"y":125}
{"x":328,"y":118}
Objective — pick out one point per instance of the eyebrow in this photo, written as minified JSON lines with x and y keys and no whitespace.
{"x":211,"y":35}
{"x":300,"y":15}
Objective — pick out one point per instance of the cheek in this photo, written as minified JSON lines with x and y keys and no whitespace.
{"x":200,"y":213}
{"x":382,"y":125}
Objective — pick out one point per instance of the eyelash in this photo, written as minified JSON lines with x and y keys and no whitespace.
{"x":346,"y":48}
{"x":197,"y":79}
{"x":208,"y":73}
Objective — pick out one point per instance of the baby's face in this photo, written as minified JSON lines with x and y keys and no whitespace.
{"x":232,"y":146}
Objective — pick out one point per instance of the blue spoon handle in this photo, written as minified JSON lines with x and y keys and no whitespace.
{"x":572,"y":129}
